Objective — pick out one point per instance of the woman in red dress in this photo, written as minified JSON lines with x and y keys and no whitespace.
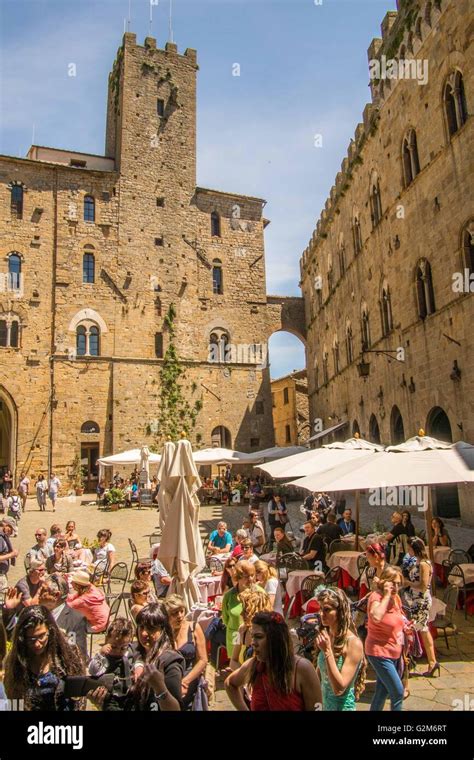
{"x":276,"y":677}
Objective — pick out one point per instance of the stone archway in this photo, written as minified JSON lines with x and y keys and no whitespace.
{"x":446,"y":497}
{"x":8,"y":432}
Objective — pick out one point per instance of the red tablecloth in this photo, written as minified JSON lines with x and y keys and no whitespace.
{"x":440,"y":573}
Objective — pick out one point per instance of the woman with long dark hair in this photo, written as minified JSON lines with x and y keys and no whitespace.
{"x":407,"y":523}
{"x":277,"y":678}
{"x":39,"y":661}
{"x":158,"y":668}
{"x":417,"y":594}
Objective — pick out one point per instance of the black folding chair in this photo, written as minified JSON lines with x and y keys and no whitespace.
{"x":332,"y":577}
{"x":117,"y":579}
{"x":135,"y":558}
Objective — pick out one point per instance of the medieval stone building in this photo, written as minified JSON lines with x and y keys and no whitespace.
{"x":93,"y":252}
{"x":390,"y":265}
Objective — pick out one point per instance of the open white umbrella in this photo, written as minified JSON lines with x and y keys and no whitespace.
{"x":388,"y":469}
{"x":132,"y":456}
{"x":277,"y":452}
{"x":181,"y":549}
{"x":312,"y":462}
{"x":164,"y":494}
{"x":217,"y":455}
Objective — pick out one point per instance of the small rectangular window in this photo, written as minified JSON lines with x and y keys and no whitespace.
{"x":286,"y":397}
{"x":160,"y":107}
{"x":159,"y":241}
{"x":160,"y":202}
{"x":259,"y":407}
{"x":159,"y":345}
{"x":254,"y":443}
{"x":78,"y":163}
{"x":287,"y":433}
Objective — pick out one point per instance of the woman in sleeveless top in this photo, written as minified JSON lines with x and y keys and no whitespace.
{"x":190,"y":642}
{"x":275,"y":677}
{"x":418,"y":598}
{"x":340,"y":662}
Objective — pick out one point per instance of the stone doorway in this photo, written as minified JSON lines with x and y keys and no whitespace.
{"x":89,"y":457}
{"x":7,"y":434}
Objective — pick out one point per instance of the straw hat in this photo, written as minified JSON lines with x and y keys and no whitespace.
{"x":81,"y":577}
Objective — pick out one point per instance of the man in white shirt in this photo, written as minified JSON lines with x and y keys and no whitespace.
{"x":23,"y":489}
{"x":255,"y":532}
{"x":54,"y":486}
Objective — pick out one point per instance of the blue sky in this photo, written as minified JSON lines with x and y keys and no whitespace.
{"x":303,"y":70}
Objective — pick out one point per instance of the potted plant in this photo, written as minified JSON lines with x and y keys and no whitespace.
{"x":78,"y":472}
{"x":113,"y":498}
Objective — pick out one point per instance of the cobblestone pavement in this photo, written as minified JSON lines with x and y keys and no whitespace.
{"x":457,"y":663}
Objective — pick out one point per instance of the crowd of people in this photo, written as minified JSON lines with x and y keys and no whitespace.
{"x":155,"y":658}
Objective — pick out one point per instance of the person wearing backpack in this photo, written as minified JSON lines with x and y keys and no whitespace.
{"x":14,"y":505}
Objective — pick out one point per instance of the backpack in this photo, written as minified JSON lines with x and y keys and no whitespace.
{"x":15,"y":505}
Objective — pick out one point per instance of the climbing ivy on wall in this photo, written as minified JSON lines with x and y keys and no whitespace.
{"x":176,"y":414}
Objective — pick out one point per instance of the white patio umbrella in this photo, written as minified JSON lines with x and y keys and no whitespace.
{"x":132,"y":456}
{"x":277,"y":452}
{"x":164,"y":494}
{"x":424,"y":467}
{"x":312,"y":462}
{"x":217,"y":455}
{"x":181,"y":549}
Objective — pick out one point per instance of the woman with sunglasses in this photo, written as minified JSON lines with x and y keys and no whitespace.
{"x":340,"y":661}
{"x":385,"y":636}
{"x":143,"y":573}
{"x":276,"y":677}
{"x":228,"y":575}
{"x":247,"y":552}
{"x":60,"y":561}
{"x":39,"y":661}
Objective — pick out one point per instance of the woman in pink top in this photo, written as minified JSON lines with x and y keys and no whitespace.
{"x":89,"y":601}
{"x":384,"y":643}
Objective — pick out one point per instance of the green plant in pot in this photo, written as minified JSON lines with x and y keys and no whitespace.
{"x":114,"y":497}
{"x":78,"y":476}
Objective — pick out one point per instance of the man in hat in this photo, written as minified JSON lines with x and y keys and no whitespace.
{"x":89,"y":601}
{"x":7,"y":553}
{"x":53,"y":596}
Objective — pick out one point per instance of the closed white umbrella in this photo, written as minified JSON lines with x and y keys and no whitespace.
{"x":181,"y":549}
{"x":165,"y":494}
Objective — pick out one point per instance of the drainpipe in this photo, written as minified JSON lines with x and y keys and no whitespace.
{"x":53,"y":323}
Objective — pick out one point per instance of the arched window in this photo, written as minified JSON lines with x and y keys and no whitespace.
{"x":455,"y":104}
{"x":355,"y":428}
{"x":374,"y":430}
{"x":218,"y":342}
{"x":94,"y":337}
{"x":396,"y":426}
{"x":411,"y":163}
{"x":375,"y":202}
{"x":16,"y":202}
{"x":215,"y":224}
{"x":335,"y":351}
{"x":81,"y":341}
{"x":89,"y":209}
{"x":217,"y":279}
{"x":357,"y":235}
{"x":424,"y":289}
{"x":14,"y":271}
{"x":87,"y":340}
{"x":428,"y":14}
{"x":418,"y":28}
{"x":468,"y":247}
{"x":88,"y":268}
{"x":90,"y":427}
{"x":221,"y":437}
{"x":342,"y":259}
{"x":325,"y":367}
{"x":349,"y":344}
{"x":330,"y":273}
{"x":9,"y":331}
{"x":386,"y":310}
{"x":365,"y":328}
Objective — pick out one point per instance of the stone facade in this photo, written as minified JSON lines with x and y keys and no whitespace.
{"x":290,"y":409}
{"x":153,"y":238}
{"x":391,"y":225}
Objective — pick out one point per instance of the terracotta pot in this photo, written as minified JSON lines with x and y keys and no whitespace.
{"x":79,"y":491}
{"x":114,"y":507}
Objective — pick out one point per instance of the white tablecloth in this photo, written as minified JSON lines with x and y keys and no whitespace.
{"x":468,"y":570}
{"x":209,"y":585}
{"x":441,"y":553}
{"x":437,"y":608}
{"x":347,"y":561}
{"x":295,"y":580}
{"x":202,"y":615}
